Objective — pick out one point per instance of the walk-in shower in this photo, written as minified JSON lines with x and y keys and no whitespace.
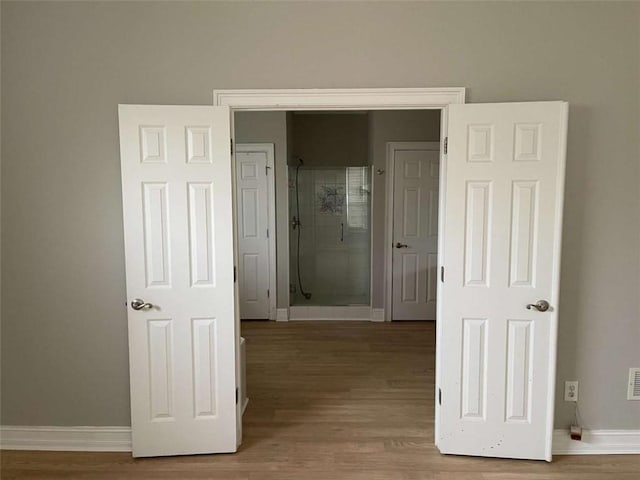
{"x":330,"y":235}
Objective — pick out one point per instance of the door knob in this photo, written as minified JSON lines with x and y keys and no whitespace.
{"x":540,"y":305}
{"x":401,"y":245}
{"x":138,"y":304}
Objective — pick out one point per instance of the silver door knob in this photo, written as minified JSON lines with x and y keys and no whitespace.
{"x":540,"y":305}
{"x":401,"y":245}
{"x":138,"y":304}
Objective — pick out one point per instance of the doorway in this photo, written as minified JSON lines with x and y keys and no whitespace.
{"x":501,"y":175}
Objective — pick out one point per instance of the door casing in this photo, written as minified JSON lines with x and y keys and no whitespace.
{"x":351,"y":99}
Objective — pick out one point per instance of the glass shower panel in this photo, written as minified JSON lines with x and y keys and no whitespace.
{"x":330,"y":254}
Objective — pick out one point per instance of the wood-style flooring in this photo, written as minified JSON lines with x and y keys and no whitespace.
{"x":329,"y":400}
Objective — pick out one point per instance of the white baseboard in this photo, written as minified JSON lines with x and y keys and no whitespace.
{"x":377,"y":314}
{"x":118,"y":439}
{"x":282,"y":315}
{"x":70,"y":439}
{"x":597,"y":442}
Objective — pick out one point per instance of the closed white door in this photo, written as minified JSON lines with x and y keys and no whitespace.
{"x":415,"y":229}
{"x":178,"y":225}
{"x":253,"y":172}
{"x":499,"y":304}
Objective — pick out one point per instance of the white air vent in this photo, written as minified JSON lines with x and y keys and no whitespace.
{"x":634,"y":384}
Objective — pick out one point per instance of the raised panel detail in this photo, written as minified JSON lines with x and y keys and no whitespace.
{"x":477,"y":226}
{"x":432,"y":276}
{"x":201,"y":248}
{"x":519,"y":370}
{"x":249,"y":212}
{"x":474,"y":368}
{"x":153,"y":144}
{"x":203,"y":335}
{"x":156,"y":234}
{"x":411,"y":212}
{"x":432,"y":228}
{"x":434,"y":169}
{"x":250,"y":277}
{"x":410,"y":270}
{"x":248,"y":171}
{"x":159,"y":336}
{"x":198,"y":144}
{"x":480,"y":143}
{"x":524,"y":220}
{"x":412,"y":169}
{"x":526,"y":142}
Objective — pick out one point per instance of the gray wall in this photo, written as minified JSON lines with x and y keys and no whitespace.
{"x":66,"y":66}
{"x":271,"y":127}
{"x":330,"y":139}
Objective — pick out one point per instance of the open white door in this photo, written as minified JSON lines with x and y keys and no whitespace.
{"x":178,"y":225}
{"x":502,"y":237}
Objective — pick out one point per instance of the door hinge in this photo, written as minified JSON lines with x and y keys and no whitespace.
{"x":231,"y":140}
{"x":439,"y":396}
{"x":446,"y":145}
{"x":442,"y":274}
{"x":236,"y":396}
{"x":235,"y":274}
{"x":267,"y":233}
{"x":268,"y":293}
{"x":266,"y":169}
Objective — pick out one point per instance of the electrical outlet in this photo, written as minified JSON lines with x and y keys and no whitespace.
{"x":571,"y":391}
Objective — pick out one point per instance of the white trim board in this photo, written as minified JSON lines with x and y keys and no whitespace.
{"x":118,"y":439}
{"x":339,"y":98}
{"x":597,"y":442}
{"x":67,"y":439}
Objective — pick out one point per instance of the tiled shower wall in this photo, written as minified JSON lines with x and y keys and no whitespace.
{"x":335,"y":235}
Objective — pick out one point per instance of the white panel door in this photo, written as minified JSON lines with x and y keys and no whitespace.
{"x":252,"y":200}
{"x":502,"y":232}
{"x":415,"y":230}
{"x":177,"y":200}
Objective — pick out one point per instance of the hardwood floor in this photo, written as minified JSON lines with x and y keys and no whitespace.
{"x":329,"y":400}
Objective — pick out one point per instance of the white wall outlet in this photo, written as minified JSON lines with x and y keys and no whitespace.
{"x":571,"y":391}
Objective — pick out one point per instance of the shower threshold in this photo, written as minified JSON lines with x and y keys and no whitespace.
{"x":340,"y":312}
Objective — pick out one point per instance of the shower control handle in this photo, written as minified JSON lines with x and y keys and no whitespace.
{"x":401,"y":245}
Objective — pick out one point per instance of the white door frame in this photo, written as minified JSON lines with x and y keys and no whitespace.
{"x":392,"y":147}
{"x":354,"y":99}
{"x":269,"y":150}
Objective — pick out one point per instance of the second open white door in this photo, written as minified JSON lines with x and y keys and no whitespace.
{"x":178,"y":226}
{"x":416,"y":173}
{"x":255,"y":230}
{"x":498,"y":307}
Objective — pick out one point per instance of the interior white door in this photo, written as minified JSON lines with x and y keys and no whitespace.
{"x":252,"y":200}
{"x":178,"y":219}
{"x":415,"y":230}
{"x":502,"y":235}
